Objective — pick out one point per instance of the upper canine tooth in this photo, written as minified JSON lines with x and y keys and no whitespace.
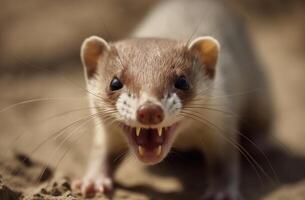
{"x":138,"y":130}
{"x":160,"y":131}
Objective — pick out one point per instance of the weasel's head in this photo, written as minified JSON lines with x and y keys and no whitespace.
{"x":144,"y":85}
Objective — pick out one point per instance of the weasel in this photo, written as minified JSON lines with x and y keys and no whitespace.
{"x":162,"y":89}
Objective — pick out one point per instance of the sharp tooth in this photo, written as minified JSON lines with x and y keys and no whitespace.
{"x":141,"y":150}
{"x":138,"y":130}
{"x":160,"y":131}
{"x":159,"y":149}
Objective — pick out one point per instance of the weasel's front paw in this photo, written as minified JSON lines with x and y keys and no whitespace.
{"x":221,"y":195}
{"x":89,"y":187}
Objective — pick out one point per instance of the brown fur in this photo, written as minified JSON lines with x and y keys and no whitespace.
{"x":150,"y":62}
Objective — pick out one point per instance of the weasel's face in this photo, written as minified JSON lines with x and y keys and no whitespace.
{"x":147,"y":82}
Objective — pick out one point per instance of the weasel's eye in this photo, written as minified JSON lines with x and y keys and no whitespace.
{"x":115,"y":84}
{"x":181,"y":83}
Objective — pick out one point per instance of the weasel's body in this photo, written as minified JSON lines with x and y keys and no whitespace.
{"x":239,"y":75}
{"x":175,"y":91}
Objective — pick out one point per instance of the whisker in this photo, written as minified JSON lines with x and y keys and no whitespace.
{"x":235,"y":146}
{"x":19,"y":136}
{"x":37,"y":100}
{"x":120,"y":156}
{"x":194,"y":32}
{"x":238,"y":146}
{"x":199,"y":103}
{"x":75,"y":130}
{"x":66,"y":112}
{"x":188,"y":108}
{"x":67,"y":150}
{"x":249,"y":140}
{"x":63,"y":78}
{"x":263,"y":153}
{"x":237,"y":94}
{"x":55,"y":135}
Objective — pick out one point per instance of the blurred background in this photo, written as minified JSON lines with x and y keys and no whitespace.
{"x":40,"y":67}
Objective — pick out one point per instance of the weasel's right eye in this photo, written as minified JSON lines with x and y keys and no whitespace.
{"x":181,"y":83}
{"x":115,"y":84}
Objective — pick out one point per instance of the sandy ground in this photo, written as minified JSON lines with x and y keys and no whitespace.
{"x":36,"y":165}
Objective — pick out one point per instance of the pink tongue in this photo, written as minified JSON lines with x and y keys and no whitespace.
{"x":149,"y":139}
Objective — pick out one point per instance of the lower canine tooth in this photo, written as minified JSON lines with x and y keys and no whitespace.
{"x":141,"y":150}
{"x":159,"y":149}
{"x":160,"y":131}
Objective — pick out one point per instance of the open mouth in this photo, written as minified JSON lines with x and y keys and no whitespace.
{"x":150,"y":144}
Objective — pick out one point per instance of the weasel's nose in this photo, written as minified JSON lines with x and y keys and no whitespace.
{"x":150,"y":114}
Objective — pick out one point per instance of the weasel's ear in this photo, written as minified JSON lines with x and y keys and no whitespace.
{"x":93,"y":48}
{"x":206,"y":49}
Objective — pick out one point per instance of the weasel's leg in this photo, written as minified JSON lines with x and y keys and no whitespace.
{"x":101,"y":167}
{"x":223,"y":167}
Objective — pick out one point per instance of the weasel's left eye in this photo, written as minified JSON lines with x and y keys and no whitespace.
{"x":115,"y":84}
{"x":181,"y":83}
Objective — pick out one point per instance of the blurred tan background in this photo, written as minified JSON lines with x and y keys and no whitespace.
{"x":39,"y":59}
